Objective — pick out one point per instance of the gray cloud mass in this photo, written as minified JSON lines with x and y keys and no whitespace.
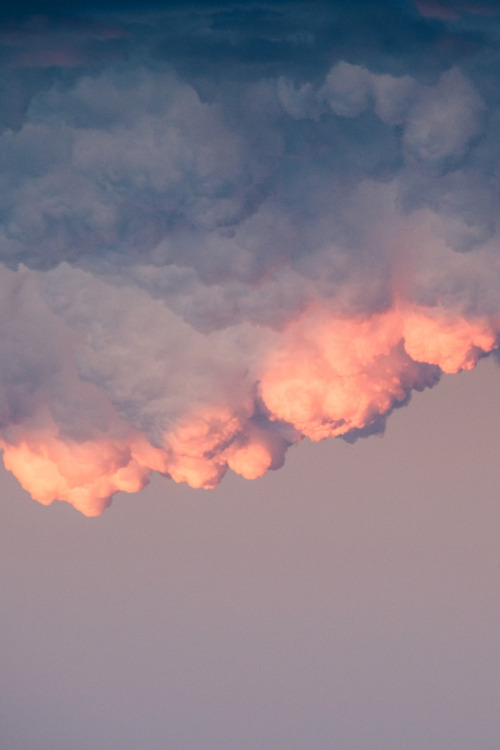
{"x":225,"y":227}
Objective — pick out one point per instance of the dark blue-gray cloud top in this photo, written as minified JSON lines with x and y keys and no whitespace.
{"x":228,"y":226}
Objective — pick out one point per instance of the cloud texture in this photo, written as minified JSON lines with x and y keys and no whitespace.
{"x":224,"y":228}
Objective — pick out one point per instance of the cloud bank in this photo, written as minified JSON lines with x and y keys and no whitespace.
{"x":228,"y":227}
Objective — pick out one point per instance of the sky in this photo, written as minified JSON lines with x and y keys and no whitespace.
{"x":249,"y":265}
{"x":350,"y":600}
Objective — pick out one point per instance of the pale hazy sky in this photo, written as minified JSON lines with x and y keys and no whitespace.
{"x":349,"y":601}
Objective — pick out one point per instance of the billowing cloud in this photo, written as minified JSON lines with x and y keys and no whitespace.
{"x":225,"y":228}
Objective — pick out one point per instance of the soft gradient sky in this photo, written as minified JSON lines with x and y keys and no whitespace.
{"x":349,"y":601}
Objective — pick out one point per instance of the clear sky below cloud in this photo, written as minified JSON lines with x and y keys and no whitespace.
{"x":350,"y":600}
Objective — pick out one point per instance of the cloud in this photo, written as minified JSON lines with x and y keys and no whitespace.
{"x":226,"y":228}
{"x":452,"y":9}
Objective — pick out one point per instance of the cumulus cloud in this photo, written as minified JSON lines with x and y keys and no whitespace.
{"x":227,"y":228}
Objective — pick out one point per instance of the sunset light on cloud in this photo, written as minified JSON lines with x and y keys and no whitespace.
{"x":226,"y":228}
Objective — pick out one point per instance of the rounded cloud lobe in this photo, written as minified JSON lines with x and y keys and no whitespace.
{"x":226,"y":229}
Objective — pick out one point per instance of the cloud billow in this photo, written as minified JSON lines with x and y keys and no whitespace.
{"x":224,"y":228}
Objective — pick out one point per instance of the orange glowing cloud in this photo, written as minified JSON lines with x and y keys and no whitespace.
{"x":326,"y":376}
{"x":86,"y":475}
{"x":332,"y":375}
